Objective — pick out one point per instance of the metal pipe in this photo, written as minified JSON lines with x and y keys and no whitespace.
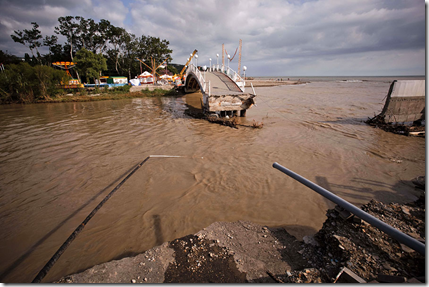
{"x":396,"y":234}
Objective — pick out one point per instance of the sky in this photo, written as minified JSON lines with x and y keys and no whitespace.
{"x":280,"y":38}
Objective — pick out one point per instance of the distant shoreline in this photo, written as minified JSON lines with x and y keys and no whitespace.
{"x":273,"y":82}
{"x":138,"y":92}
{"x":332,"y":77}
{"x":168,"y":90}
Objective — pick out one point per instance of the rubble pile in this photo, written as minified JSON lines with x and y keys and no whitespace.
{"x":368,"y":252}
{"x":201,"y":260}
{"x":378,"y":121}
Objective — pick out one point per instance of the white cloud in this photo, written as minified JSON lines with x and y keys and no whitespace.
{"x":302,"y":37}
{"x":276,"y":30}
{"x":112,"y":10}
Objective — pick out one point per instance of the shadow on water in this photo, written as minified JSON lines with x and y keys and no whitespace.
{"x":158,"y":230}
{"x":194,"y":104}
{"x":24,"y":256}
{"x":368,"y":193}
{"x":158,"y":237}
{"x":348,"y":121}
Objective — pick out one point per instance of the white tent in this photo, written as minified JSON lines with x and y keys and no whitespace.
{"x":145,"y":74}
{"x":146,"y":78}
{"x":135,"y":82}
{"x":166,"y":77}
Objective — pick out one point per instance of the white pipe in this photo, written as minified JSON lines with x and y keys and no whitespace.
{"x":162,"y":155}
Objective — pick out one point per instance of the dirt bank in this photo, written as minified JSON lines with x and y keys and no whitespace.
{"x":246,"y":252}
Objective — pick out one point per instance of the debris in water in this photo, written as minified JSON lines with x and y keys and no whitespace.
{"x":417,"y":129}
{"x":257,"y":125}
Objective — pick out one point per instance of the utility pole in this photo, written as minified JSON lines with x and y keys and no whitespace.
{"x":154,"y":71}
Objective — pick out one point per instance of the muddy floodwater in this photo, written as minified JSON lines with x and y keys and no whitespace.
{"x":58,"y":161}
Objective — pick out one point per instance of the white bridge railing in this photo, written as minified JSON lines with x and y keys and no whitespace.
{"x":205,"y":86}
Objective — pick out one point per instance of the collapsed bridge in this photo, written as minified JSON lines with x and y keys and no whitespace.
{"x":222,"y":88}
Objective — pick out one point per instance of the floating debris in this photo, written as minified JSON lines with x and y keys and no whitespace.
{"x":417,"y":129}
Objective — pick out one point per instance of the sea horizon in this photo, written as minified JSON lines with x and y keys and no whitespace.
{"x":338,"y":78}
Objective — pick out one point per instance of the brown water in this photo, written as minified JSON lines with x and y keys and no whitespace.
{"x":58,"y":161}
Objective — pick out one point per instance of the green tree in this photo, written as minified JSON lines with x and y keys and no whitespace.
{"x":103,"y":36}
{"x":149,"y":48}
{"x":117,"y":38}
{"x":68,"y":27}
{"x":84,"y":33}
{"x":29,"y":38}
{"x":54,"y":48}
{"x":129,"y":49}
{"x":172,"y":69}
{"x":7,"y":58}
{"x":155,"y":48}
{"x":90,"y":64}
{"x":120,"y":47}
{"x":90,"y":35}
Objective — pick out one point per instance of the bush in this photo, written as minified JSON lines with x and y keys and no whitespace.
{"x":83,"y":92}
{"x":48,"y":81}
{"x":23,"y":83}
{"x":120,"y":89}
{"x":18,"y":83}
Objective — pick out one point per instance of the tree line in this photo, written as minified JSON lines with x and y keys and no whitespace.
{"x":95,"y":46}
{"x":119,"y":47}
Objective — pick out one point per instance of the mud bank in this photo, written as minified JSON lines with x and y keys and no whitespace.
{"x":246,"y":252}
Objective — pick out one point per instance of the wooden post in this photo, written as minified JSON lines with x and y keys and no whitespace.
{"x":243,"y":113}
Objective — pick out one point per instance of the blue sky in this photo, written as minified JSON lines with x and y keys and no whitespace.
{"x":289,"y":38}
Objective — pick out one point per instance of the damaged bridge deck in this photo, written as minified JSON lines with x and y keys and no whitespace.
{"x":222,"y":91}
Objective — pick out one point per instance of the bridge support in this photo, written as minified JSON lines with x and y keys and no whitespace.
{"x":191,"y":84}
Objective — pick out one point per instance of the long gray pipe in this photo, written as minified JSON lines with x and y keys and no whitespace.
{"x":398,"y":235}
